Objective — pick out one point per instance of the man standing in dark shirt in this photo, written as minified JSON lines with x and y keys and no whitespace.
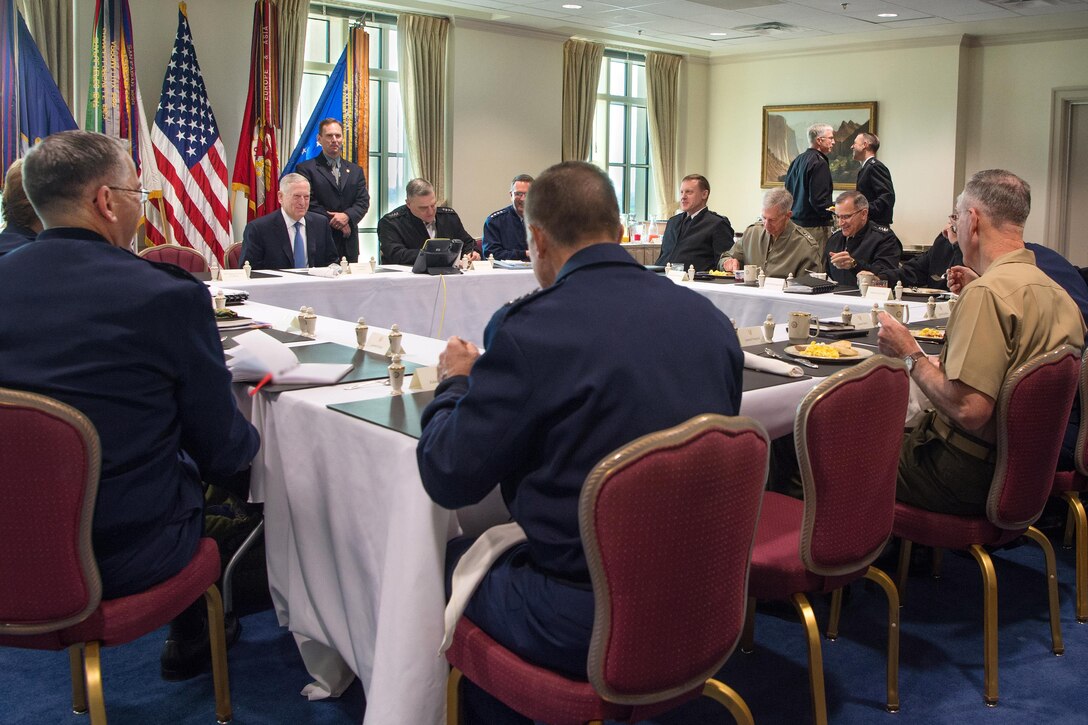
{"x":809,"y":180}
{"x":874,"y":179}
{"x":337,"y":189}
{"x":860,"y":245}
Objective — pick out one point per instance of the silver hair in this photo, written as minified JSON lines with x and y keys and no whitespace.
{"x":815,"y":129}
{"x":778,"y":199}
{"x":418,"y":187}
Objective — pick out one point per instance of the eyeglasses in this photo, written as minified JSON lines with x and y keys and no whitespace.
{"x":144,"y":193}
{"x":848,"y":217}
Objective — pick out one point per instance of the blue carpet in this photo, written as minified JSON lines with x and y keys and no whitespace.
{"x":940,"y":665}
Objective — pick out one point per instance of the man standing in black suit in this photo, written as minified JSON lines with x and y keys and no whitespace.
{"x":290,"y":238}
{"x":874,"y":179}
{"x":338,"y":189}
{"x":695,"y":236}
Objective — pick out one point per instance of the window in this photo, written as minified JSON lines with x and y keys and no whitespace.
{"x":621,"y":135}
{"x":387,"y":173}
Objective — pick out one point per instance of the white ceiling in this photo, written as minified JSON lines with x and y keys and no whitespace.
{"x":726,"y":27}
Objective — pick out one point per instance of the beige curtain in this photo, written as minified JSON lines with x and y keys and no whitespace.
{"x":422,"y":43}
{"x":293,"y":15}
{"x":50,"y":23}
{"x":663,"y":112}
{"x":581,"y":74}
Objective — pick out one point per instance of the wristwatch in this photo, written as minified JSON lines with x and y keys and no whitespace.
{"x":909,"y":360}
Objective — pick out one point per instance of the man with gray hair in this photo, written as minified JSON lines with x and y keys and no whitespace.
{"x":133,"y":345}
{"x":860,"y":246}
{"x":1010,"y":314}
{"x":504,"y":230}
{"x":874,"y":179}
{"x":292,"y":237}
{"x":809,"y":181}
{"x":775,"y":243}
{"x":402,"y":232}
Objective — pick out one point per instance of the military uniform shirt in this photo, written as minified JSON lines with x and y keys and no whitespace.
{"x":875,"y":248}
{"x":504,"y":235}
{"x":795,"y":251}
{"x":401,"y":233}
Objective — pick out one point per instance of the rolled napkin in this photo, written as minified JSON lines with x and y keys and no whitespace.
{"x":333,"y":270}
{"x":772,"y":366}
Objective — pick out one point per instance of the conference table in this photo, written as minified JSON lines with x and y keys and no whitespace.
{"x":355,"y":548}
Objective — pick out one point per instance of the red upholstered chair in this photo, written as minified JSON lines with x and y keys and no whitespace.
{"x":233,"y":256}
{"x":185,"y":257}
{"x":1068,"y":485}
{"x":667,"y":524}
{"x":847,"y":435}
{"x":52,"y":594}
{"x":1032,"y":412}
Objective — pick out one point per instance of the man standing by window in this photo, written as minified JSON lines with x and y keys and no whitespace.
{"x":337,"y":189}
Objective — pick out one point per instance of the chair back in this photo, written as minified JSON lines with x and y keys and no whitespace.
{"x":1032,"y":413}
{"x":1080,"y":455}
{"x":177,"y":255}
{"x":847,"y":434}
{"x":50,"y":456}
{"x":667,"y":523}
{"x":233,"y":256}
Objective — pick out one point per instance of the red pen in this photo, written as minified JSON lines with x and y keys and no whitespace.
{"x":264,"y":381}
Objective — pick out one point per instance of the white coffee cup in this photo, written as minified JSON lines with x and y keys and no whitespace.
{"x":898,"y":310}
{"x":751,"y":273}
{"x":798,"y":327}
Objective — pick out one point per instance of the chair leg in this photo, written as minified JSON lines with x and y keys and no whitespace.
{"x":1070,"y":520}
{"x":453,"y":697}
{"x":748,"y":635}
{"x":228,"y":573}
{"x":833,"y":618}
{"x":79,"y":679}
{"x":732,"y":701}
{"x":1052,"y":588}
{"x":989,"y":623}
{"x":885,"y":582}
{"x":815,"y":658}
{"x":1080,"y":524}
{"x":92,"y":664}
{"x":938,"y":555}
{"x":904,"y":569}
{"x":220,"y":674}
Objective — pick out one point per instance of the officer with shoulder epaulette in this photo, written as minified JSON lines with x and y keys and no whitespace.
{"x":564,"y":382}
{"x":860,"y":245}
{"x":402,"y":232}
{"x":775,"y":243}
{"x":504,"y":230}
{"x":133,"y":345}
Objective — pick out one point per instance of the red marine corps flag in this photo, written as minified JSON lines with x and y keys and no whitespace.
{"x":257,"y":166}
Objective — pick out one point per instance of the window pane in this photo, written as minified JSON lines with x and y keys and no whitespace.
{"x":617,"y":113}
{"x":638,"y":80}
{"x":600,"y":134}
{"x":616,"y":174}
{"x":394,"y":118}
{"x":390,"y":50}
{"x":317,"y":40}
{"x":617,"y":81}
{"x":370,"y":221}
{"x":602,"y":81}
{"x":375,"y":118}
{"x":639,"y":136}
{"x":396,"y":171}
{"x":374,"y":48}
{"x":337,"y":39}
{"x":637,"y":192}
{"x":312,"y":85}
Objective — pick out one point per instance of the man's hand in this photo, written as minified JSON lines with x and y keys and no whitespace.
{"x":843,"y":260}
{"x":729,"y":264}
{"x":894,"y":339}
{"x":339,"y":221}
{"x":960,"y":277}
{"x":457,"y":359}
{"x":472,"y":256}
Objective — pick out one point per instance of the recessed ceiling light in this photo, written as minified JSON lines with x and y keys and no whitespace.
{"x":719,"y":34}
{"x":572,"y":7}
{"x":887,"y":15}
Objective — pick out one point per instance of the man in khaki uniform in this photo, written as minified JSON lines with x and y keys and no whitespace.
{"x":776,"y":244}
{"x":1010,"y":314}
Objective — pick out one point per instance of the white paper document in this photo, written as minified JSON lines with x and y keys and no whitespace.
{"x":258,"y":355}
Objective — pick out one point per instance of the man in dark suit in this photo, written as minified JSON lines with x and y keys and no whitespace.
{"x":874,"y":179}
{"x":402,"y":232}
{"x":337,"y":189}
{"x":290,"y":238}
{"x":695,"y":236}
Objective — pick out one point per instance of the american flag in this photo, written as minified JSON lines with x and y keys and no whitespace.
{"x":190,"y":154}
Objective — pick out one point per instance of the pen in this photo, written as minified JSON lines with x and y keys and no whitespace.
{"x":264,"y":381}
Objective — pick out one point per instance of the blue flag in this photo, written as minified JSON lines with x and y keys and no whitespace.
{"x":329,"y":105}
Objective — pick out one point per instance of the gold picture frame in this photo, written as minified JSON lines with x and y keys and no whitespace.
{"x":785,"y":135}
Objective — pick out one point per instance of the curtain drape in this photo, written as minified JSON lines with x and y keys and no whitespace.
{"x":293,"y":15}
{"x":50,"y":23}
{"x":422,"y":41}
{"x":663,"y":113}
{"x":581,"y":73}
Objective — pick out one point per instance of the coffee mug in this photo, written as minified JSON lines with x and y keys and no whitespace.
{"x":898,"y":310}
{"x":798,"y":327}
{"x":751,"y":274}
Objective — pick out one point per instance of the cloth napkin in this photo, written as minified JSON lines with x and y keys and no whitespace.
{"x":332,"y":270}
{"x":772,"y":366}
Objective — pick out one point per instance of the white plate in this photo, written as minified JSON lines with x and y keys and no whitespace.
{"x":861,"y":355}
{"x":925,"y":291}
{"x":926,"y":338}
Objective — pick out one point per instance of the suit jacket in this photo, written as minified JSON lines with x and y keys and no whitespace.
{"x":809,"y":180}
{"x":268,"y":244}
{"x":706,"y":238}
{"x":350,"y":197}
{"x":401,"y":233}
{"x":875,"y":184}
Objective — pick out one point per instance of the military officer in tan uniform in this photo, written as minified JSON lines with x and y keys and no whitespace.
{"x":1010,"y":314}
{"x":775,"y":243}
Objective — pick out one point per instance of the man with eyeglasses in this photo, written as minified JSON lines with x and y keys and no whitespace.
{"x":860,"y":246}
{"x":775,"y":243}
{"x":504,"y":230}
{"x":133,"y":345}
{"x":930,"y":268}
{"x":808,"y":179}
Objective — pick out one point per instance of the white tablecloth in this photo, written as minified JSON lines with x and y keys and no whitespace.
{"x":356,"y":548}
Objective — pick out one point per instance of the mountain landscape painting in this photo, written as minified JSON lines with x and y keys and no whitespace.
{"x":785,"y":135}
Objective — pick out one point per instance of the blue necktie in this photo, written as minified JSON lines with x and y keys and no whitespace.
{"x":300,"y":247}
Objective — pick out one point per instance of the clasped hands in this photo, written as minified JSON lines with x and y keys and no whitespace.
{"x":457,"y":359}
{"x":843,"y":260}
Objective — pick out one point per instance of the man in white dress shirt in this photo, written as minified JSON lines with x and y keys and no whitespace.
{"x":290,"y":238}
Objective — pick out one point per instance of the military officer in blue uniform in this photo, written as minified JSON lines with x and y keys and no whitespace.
{"x":860,"y":245}
{"x":504,"y":230}
{"x":134,"y":346}
{"x":562,"y":383}
{"x":402,"y":232}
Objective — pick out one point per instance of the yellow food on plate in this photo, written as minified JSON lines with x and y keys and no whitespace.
{"x":930,"y":332}
{"x":819,"y":349}
{"x":719,"y":273}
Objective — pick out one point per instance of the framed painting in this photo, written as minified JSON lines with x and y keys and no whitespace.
{"x":785,"y":135}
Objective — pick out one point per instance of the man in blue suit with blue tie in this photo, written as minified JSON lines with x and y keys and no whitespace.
{"x":290,"y":238}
